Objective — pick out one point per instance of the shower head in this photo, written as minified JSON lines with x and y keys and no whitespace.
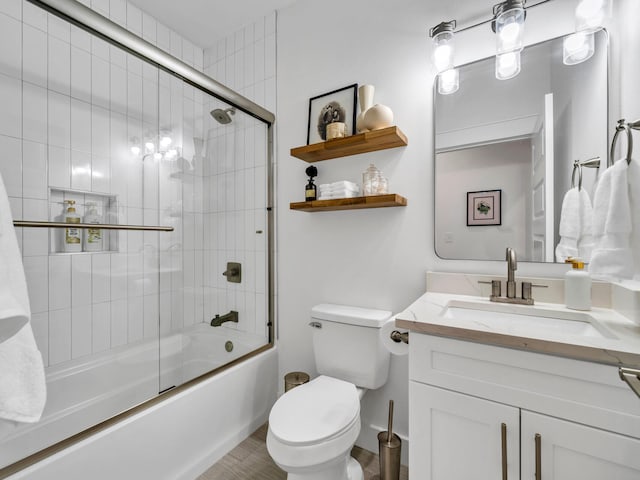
{"x":223,"y":116}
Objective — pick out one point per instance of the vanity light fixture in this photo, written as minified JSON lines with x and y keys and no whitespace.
{"x":508,"y":25}
{"x":448,"y":77}
{"x":579,"y":47}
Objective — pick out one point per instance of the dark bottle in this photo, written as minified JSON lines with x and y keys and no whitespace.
{"x":310,"y":190}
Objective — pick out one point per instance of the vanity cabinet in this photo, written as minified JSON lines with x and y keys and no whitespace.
{"x":476,"y":410}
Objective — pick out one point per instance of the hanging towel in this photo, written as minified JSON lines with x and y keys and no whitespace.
{"x":634,"y":202}
{"x":14,"y":301}
{"x":22,"y":380}
{"x":575,"y":229}
{"x":23,"y":391}
{"x":612,"y":225}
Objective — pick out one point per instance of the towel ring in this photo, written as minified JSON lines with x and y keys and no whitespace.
{"x":576,"y":166}
{"x":622,"y":125}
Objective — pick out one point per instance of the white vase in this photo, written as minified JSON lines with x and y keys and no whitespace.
{"x":365,"y":96}
{"x":378,"y":116}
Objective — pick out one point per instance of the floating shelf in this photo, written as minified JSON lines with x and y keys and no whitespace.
{"x":374,"y":201}
{"x":382,"y":139}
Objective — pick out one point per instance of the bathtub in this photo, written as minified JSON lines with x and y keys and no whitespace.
{"x":202,"y":422}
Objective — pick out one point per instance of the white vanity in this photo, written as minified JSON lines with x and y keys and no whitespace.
{"x":521,"y":392}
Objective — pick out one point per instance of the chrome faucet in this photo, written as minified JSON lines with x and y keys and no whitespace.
{"x":232,"y":316}
{"x":496,"y":286}
{"x":512,"y":266}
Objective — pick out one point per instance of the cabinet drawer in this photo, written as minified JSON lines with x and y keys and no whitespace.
{"x":584,"y":392}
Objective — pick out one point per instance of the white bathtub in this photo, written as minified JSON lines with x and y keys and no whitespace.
{"x":88,"y":390}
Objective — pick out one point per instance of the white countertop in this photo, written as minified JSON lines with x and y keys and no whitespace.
{"x":618,"y":344}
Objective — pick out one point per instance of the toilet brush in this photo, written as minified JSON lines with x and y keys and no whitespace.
{"x":390,"y":425}
{"x":389,"y":446}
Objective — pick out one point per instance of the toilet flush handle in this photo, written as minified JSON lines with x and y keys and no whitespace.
{"x":315,"y":324}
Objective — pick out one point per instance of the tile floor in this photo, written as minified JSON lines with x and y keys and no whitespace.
{"x":251,"y":461}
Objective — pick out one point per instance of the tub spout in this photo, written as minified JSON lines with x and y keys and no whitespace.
{"x":232,"y":316}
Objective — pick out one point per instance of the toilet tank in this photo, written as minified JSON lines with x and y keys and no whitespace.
{"x":346,"y":344}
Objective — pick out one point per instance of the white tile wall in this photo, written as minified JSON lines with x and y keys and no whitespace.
{"x":235,"y":176}
{"x":71,"y":105}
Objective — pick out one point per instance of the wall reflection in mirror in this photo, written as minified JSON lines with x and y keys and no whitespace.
{"x":521,"y":136}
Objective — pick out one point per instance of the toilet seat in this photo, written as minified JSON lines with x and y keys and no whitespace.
{"x":315,"y":412}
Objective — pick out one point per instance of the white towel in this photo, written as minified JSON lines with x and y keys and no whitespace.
{"x":612,"y":226}
{"x":633,"y":174}
{"x":575,"y":229}
{"x":14,"y":301}
{"x":334,"y":195}
{"x":343,"y":185}
{"x":23,"y":391}
{"x":22,"y":380}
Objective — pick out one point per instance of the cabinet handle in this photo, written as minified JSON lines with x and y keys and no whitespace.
{"x":538,"y":439}
{"x":503,"y":431}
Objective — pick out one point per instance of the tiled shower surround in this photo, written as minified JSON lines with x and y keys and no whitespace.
{"x":73,"y":106}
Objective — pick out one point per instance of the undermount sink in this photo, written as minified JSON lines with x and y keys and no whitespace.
{"x":523,"y":320}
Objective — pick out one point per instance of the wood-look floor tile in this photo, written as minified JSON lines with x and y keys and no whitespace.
{"x":251,"y":461}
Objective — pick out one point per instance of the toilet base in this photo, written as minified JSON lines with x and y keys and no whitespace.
{"x":351,"y":471}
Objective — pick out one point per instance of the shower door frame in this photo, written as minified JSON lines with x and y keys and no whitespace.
{"x":94,"y":23}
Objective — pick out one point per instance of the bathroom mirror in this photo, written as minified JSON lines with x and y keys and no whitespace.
{"x":505,"y":149}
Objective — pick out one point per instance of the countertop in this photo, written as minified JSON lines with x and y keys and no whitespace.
{"x":619,"y":344}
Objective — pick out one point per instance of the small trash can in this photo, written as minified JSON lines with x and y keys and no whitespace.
{"x":389,"y":453}
{"x":294,"y":379}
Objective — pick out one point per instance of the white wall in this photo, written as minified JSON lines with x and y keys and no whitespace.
{"x":373,"y":258}
{"x":500,"y":166}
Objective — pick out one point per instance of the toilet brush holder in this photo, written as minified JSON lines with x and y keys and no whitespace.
{"x":389,"y":453}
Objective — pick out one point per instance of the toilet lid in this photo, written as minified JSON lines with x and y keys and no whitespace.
{"x":314,"y":411}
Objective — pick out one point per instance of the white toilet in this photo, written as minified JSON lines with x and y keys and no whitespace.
{"x":313,"y":427}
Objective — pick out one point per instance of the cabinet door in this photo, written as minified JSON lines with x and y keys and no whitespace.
{"x":459,"y":437}
{"x":570,"y":451}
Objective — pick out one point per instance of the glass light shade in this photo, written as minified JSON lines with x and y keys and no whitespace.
{"x":507,"y":65}
{"x":135,"y":150}
{"x":157,"y":156}
{"x":590,"y":15}
{"x":510,"y":30}
{"x":443,"y":51}
{"x":149,"y":147}
{"x":578,"y":48}
{"x":165,"y":142}
{"x":448,"y":81}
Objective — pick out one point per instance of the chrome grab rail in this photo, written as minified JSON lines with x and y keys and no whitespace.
{"x":102,"y":226}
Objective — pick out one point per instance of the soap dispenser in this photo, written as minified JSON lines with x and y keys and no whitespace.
{"x":310,"y":190}
{"x":92,"y":236}
{"x":577,"y":286}
{"x":72,"y":236}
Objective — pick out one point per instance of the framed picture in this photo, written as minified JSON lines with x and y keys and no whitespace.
{"x":484,"y":208}
{"x":336,"y":106}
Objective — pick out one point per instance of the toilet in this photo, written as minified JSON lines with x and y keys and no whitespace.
{"x":313,"y":427}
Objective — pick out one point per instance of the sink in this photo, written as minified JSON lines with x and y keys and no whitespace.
{"x":524,"y":320}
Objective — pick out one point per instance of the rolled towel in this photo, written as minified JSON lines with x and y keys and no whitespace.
{"x":612,"y":226}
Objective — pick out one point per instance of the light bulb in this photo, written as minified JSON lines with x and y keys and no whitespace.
{"x":577,"y":48}
{"x":507,"y":65}
{"x":135,"y":150}
{"x":149,"y":147}
{"x":509,"y":28}
{"x":448,"y":81}
{"x":590,"y":14}
{"x":442,"y":57}
{"x":165,"y":142}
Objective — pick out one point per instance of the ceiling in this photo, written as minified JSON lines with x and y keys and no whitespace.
{"x":204,"y":22}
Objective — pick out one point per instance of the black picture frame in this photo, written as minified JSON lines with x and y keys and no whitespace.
{"x":335,"y":106}
{"x":484,"y":207}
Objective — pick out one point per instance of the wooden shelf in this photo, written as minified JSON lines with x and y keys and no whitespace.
{"x":374,"y":201}
{"x":384,"y":138}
